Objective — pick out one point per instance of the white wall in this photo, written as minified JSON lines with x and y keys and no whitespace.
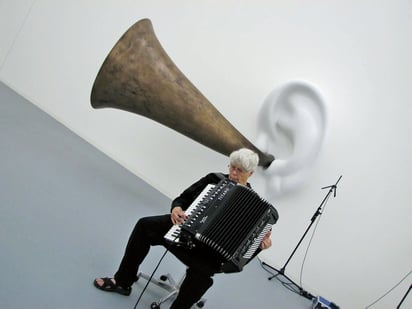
{"x":356,"y":53}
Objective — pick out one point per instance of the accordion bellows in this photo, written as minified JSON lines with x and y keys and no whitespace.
{"x":229,"y":218}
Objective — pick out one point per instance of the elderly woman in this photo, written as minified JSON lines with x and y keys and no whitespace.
{"x":202,"y":263}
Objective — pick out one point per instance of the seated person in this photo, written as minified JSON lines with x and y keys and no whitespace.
{"x":202,"y":263}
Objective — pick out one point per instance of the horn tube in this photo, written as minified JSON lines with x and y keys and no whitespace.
{"x":139,"y":77}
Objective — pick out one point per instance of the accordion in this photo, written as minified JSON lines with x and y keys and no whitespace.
{"x":230,"y":219}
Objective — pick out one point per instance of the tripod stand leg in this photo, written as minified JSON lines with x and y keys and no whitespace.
{"x":404,"y":297}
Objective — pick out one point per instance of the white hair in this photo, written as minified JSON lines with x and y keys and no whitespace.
{"x":244,"y":158}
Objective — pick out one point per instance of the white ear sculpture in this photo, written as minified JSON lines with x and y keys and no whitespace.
{"x":291,"y":125}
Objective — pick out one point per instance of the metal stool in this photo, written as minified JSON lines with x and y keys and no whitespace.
{"x":170,"y":285}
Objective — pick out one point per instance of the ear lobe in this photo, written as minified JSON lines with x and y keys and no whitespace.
{"x":292,"y":125}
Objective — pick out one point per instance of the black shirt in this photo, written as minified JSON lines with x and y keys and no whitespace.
{"x":185,"y":199}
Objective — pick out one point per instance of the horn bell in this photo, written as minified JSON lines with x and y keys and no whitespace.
{"x":139,"y":77}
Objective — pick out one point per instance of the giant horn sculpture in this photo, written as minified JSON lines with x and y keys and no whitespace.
{"x":138,"y":76}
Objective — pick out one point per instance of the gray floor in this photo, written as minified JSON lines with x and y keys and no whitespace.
{"x":66,"y":211}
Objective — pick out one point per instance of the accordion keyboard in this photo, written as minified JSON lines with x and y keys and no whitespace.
{"x":173,"y":235}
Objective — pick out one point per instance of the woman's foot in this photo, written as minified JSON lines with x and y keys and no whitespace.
{"x":110,"y":285}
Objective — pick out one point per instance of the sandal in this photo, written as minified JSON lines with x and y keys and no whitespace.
{"x":109,"y":286}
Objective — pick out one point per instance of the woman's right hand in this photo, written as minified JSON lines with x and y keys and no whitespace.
{"x":178,"y":216}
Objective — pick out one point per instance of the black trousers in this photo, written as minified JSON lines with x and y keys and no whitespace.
{"x":202,"y":263}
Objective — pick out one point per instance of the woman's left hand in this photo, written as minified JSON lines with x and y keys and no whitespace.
{"x":266,"y":241}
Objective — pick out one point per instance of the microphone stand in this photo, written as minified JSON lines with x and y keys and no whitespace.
{"x":281,"y":272}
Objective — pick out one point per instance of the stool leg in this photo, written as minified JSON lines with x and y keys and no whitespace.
{"x":167,"y":283}
{"x":191,"y":290}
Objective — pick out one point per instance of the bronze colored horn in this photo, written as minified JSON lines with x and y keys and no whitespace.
{"x":138,"y":76}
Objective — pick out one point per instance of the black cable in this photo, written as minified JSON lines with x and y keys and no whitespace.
{"x":319,"y":212}
{"x":310,"y":242}
{"x":151,"y":276}
{"x":389,"y":290}
{"x":154,"y":271}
